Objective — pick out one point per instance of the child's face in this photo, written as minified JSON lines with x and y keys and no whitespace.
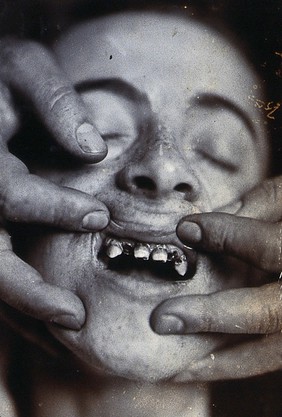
{"x":171,"y":99}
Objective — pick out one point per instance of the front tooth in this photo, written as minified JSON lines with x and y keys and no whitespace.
{"x":159,"y":254}
{"x":114,"y":249}
{"x":142,"y":252}
{"x":181,"y":266}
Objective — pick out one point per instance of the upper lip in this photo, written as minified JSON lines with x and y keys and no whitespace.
{"x":161,"y":206}
{"x":147,"y":220}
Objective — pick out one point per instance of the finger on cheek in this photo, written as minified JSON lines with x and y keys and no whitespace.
{"x":30,"y":199}
{"x":243,"y":360}
{"x":181,"y":315}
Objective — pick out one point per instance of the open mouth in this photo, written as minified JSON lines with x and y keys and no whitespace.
{"x":164,"y":261}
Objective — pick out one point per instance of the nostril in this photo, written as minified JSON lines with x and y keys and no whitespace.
{"x":144,"y":183}
{"x":183,"y":188}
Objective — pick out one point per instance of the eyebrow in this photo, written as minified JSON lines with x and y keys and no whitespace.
{"x":217,"y":101}
{"x":114,"y":85}
{"x":123,"y":88}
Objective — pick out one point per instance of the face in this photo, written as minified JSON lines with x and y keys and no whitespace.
{"x":170,"y":98}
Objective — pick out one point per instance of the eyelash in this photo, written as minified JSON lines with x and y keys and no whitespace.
{"x":228,"y":166}
{"x":110,"y":136}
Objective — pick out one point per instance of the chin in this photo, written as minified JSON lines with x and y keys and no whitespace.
{"x":119,"y":294}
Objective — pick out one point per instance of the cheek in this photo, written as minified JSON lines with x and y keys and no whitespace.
{"x":223,"y":188}
{"x":117,"y":338}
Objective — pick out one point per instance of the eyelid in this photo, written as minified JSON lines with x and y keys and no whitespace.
{"x":227,"y":165}
{"x":218,"y":102}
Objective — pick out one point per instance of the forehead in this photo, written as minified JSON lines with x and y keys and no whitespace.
{"x":153,"y":51}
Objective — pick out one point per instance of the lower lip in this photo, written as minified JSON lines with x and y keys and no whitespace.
{"x":136,"y":286}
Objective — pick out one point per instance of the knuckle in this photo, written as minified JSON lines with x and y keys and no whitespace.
{"x":271,"y":258}
{"x":276,"y":357}
{"x":272,"y":189}
{"x":271,"y":321}
{"x":208,"y":315}
{"x":221,"y":238}
{"x":58,"y":96}
{"x":12,"y":202}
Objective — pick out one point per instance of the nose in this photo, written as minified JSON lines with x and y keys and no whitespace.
{"x":159,"y":172}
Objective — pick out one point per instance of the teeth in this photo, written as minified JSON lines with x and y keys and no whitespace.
{"x":142,"y":252}
{"x":173,"y":255}
{"x":181,"y":266}
{"x":127,"y":248}
{"x":114,"y":249}
{"x":160,"y":254}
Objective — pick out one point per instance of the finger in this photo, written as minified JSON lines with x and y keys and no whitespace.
{"x":28,"y":198}
{"x":264,"y":202}
{"x":33,"y":331}
{"x":239,"y":311}
{"x":256,"y":242}
{"x":59,"y":106}
{"x":23,"y":288}
{"x":247,"y":359}
{"x":8,"y":116}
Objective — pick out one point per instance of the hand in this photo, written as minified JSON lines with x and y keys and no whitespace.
{"x":31,"y":70}
{"x":258,"y":241}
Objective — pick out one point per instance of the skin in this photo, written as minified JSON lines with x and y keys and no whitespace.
{"x":209,"y":166}
{"x":256,"y":310}
{"x":43,"y":301}
{"x":30,"y":199}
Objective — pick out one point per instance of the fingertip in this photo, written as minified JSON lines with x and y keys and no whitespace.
{"x":189,"y":232}
{"x":95,"y":221}
{"x":168,"y":324}
{"x":71,"y":312}
{"x":91,"y":143}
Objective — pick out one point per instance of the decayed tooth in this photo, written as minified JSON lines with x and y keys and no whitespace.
{"x":181,"y":266}
{"x":142,"y":251}
{"x":173,"y":255}
{"x":159,"y":254}
{"x":127,"y":247}
{"x":114,"y":249}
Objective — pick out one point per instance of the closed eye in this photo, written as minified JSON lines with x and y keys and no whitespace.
{"x":222,"y":163}
{"x":109,"y":136}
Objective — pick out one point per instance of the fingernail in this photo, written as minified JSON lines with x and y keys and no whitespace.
{"x":90,"y":141}
{"x":169,"y":324}
{"x":189,"y":232}
{"x":95,"y":221}
{"x":68,"y":321}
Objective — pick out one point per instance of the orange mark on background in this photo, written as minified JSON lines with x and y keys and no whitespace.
{"x":269,"y":106}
